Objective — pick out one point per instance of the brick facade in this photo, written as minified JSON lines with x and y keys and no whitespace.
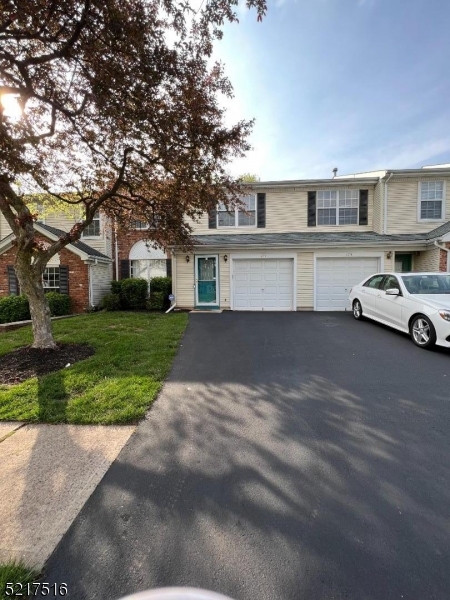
{"x":443,"y":259}
{"x":78,"y":277}
{"x":125,"y":241}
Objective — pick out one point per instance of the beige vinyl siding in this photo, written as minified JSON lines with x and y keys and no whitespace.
{"x":305,"y":280}
{"x":101,"y":276}
{"x":224,"y":280}
{"x":184,"y":293}
{"x":287,"y":210}
{"x":389,"y":263}
{"x":427,"y":261}
{"x":102,"y":243}
{"x":378,"y":208}
{"x":403,"y":206}
{"x":5,"y":229}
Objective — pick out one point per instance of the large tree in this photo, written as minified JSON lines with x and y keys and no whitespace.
{"x":120,"y":110}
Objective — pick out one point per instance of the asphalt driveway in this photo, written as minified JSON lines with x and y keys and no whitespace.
{"x":289,"y":456}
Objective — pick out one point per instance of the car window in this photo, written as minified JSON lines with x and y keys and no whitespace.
{"x":390,"y":282}
{"x":374,"y":282}
{"x":427,"y":284}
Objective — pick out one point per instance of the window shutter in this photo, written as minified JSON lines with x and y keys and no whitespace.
{"x":124,"y":269}
{"x":64,"y":280}
{"x":13,"y":283}
{"x":261,"y":210}
{"x":212,"y":218}
{"x":363,"y":206}
{"x":311,"y":209}
{"x":169,"y":267}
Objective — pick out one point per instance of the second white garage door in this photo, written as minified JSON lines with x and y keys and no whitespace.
{"x":263,"y":284}
{"x":335,"y":277}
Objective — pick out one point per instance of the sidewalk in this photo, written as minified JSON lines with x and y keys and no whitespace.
{"x":47,"y":472}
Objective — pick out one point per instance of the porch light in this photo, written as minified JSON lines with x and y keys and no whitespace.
{"x":187,"y":258}
{"x":389,"y":255}
{"x":225,"y":257}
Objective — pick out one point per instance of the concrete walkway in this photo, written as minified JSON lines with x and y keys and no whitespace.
{"x":47,"y":472}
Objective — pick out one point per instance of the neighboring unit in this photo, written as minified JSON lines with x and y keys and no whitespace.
{"x":302,"y":245}
{"x":84,"y":270}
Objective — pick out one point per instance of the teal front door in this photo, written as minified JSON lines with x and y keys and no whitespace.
{"x":206,"y":283}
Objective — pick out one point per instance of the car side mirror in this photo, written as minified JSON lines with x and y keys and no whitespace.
{"x":393,"y":292}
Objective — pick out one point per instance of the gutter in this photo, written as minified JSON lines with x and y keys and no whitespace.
{"x":437,"y":244}
{"x":413,"y":244}
{"x":385,"y":207}
{"x":116,"y":250}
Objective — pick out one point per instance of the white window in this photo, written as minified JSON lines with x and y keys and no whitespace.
{"x":431,"y":201}
{"x":93,"y":229}
{"x":50,"y":279}
{"x":337,"y":207}
{"x":140,"y":225}
{"x":238,"y":217}
{"x":148,"y":268}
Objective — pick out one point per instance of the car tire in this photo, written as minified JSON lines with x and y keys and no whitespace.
{"x":422,"y":331}
{"x":357,"y":310}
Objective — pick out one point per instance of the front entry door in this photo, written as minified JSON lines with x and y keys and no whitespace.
{"x":206,"y":284}
{"x":403,"y":263}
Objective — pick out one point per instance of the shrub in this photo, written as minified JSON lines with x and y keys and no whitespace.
{"x":59,"y":304}
{"x":111,"y":302}
{"x":134,"y":292}
{"x":160,"y":288}
{"x":14,"y":308}
{"x":156,"y":301}
{"x":116,"y":287}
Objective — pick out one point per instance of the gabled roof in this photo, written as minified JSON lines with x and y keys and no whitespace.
{"x":80,"y":245}
{"x":83,"y":250}
{"x":439,"y":231}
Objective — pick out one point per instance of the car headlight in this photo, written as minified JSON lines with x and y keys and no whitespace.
{"x":445,"y":314}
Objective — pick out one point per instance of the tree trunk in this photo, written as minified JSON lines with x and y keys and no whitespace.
{"x":30,"y":280}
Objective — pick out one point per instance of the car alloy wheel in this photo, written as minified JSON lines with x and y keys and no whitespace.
{"x":422,"y":332}
{"x":357,"y":310}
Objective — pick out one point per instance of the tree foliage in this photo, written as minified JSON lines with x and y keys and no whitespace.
{"x":120,"y":111}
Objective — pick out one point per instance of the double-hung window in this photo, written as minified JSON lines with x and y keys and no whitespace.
{"x":431,"y":200}
{"x":50,"y":279}
{"x":93,"y":229}
{"x":242,"y":216}
{"x":337,"y":207}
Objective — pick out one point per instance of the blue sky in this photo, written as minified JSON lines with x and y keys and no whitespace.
{"x":354,"y":84}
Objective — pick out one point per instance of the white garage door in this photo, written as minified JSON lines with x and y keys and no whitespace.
{"x":335,"y":277}
{"x":263,"y":284}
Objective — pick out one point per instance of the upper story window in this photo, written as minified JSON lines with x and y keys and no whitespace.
{"x":431,"y":200}
{"x":238,"y":217}
{"x":93,"y":229}
{"x":337,"y":207}
{"x":140,"y":225}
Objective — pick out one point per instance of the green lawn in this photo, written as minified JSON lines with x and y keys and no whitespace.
{"x":15,"y":573}
{"x":134,"y":353}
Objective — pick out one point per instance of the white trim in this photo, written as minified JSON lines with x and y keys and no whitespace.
{"x":379,"y":255}
{"x":419,"y":201}
{"x":267,"y":255}
{"x":196,"y":302}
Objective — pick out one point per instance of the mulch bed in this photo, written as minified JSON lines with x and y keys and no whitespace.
{"x":21,"y":364}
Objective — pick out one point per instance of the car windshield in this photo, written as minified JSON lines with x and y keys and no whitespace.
{"x":427,"y":284}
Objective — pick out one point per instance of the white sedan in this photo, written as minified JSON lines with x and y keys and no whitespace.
{"x":416,"y":303}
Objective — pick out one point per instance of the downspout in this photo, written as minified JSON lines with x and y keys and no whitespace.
{"x":174,"y":282}
{"x":91,"y":291}
{"x":386,"y":204}
{"x":437,"y":244}
{"x":116,"y":249}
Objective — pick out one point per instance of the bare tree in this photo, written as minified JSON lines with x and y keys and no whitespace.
{"x":119,"y":110}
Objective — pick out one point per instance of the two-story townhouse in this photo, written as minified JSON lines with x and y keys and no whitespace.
{"x":301,"y":245}
{"x":84,"y":270}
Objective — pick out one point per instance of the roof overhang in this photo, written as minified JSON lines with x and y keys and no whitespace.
{"x":383,"y":244}
{"x":305,"y":183}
